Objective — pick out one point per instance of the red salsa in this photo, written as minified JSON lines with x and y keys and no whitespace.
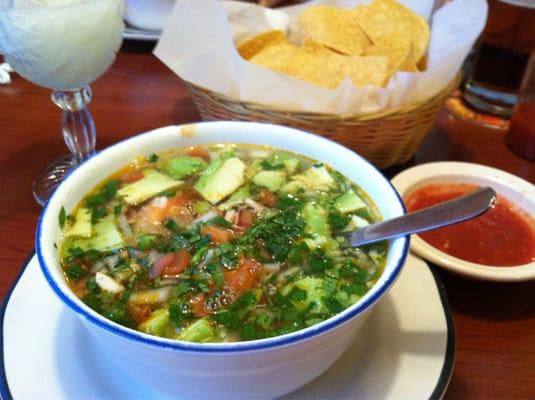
{"x":503,"y":236}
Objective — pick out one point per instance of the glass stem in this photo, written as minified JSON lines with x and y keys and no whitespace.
{"x":77,"y":124}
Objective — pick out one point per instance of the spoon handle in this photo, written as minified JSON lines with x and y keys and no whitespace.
{"x":447,"y":213}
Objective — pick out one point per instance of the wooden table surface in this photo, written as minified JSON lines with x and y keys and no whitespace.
{"x":495,"y":322}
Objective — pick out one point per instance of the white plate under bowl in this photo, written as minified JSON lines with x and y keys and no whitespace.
{"x":404,"y":351}
{"x":144,"y":35}
{"x":515,"y":189}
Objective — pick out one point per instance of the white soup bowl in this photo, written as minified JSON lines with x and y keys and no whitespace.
{"x":263,"y":368}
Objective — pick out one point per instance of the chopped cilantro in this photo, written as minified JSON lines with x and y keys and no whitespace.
{"x":227,"y":318}
{"x":175,"y":243}
{"x":91,"y":285}
{"x":298,"y":294}
{"x":117,"y":209}
{"x":168,"y":193}
{"x":217,"y":275}
{"x":271,"y":165}
{"x":355,"y":288}
{"x":227,"y":254}
{"x":203,"y":286}
{"x":97,"y":202}
{"x":199,"y":255}
{"x":288,"y":201}
{"x":246,"y":299}
{"x":62,"y":217}
{"x":277,"y":231}
{"x":153,"y":158}
{"x":75,"y":252}
{"x":172,"y":225}
{"x":98,"y":213}
{"x":178,"y":313}
{"x":264,"y":318}
{"x":333,"y":305}
{"x":76,"y":272}
{"x":319,"y":261}
{"x":298,"y":252}
{"x":182,"y":288}
{"x":106,"y":193}
{"x":338,"y":221}
{"x":350,"y":270}
{"x":118,"y":312}
{"x":219,"y":221}
{"x":93,"y":301}
{"x":248,"y":331}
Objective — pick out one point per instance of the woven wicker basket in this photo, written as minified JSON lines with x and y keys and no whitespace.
{"x":386,"y":138}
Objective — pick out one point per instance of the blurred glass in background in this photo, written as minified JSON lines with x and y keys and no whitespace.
{"x":500,"y":57}
{"x":521,"y":135}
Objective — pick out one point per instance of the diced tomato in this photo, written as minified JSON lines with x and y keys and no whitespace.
{"x":200,"y":151}
{"x":246,"y":218}
{"x":183,"y":197}
{"x":267,"y":198}
{"x":246,"y":276}
{"x":198,"y":305}
{"x":217,"y":235}
{"x":181,"y":262}
{"x":153,"y":214}
{"x":176,"y":206}
{"x":79,"y":287}
{"x":132,"y":176}
{"x":139,"y":312}
{"x":161,"y":264}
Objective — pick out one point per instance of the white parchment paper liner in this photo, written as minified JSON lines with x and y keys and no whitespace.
{"x":198,"y":45}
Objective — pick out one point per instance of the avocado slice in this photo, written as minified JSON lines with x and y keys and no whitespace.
{"x":348,"y":202}
{"x":184,"y":166}
{"x":199,"y":331}
{"x":315,"y":294}
{"x":156,"y":323}
{"x":236,"y":198}
{"x":286,"y":160}
{"x":317,"y":226}
{"x":152,"y":183}
{"x":292,"y":187}
{"x":105,"y":237}
{"x":316,"y":178}
{"x":82,"y":224}
{"x":272,"y":180}
{"x":221,"y":179}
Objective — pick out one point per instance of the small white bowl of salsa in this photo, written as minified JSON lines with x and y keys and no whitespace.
{"x":497,"y":246}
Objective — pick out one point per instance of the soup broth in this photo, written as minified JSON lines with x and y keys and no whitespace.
{"x":220,"y":243}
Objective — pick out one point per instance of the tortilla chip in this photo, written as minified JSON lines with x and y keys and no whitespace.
{"x":335,"y":28}
{"x":257,"y":43}
{"x":316,"y":47}
{"x":382,"y":20}
{"x":322,"y":67}
{"x":398,"y":51}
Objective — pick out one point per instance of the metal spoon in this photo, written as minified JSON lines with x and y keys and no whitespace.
{"x":443,"y":214}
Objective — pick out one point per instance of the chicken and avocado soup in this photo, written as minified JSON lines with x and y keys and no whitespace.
{"x":220,"y":243}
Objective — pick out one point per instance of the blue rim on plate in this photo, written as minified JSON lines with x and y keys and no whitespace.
{"x":438,"y":392}
{"x":254,"y":345}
